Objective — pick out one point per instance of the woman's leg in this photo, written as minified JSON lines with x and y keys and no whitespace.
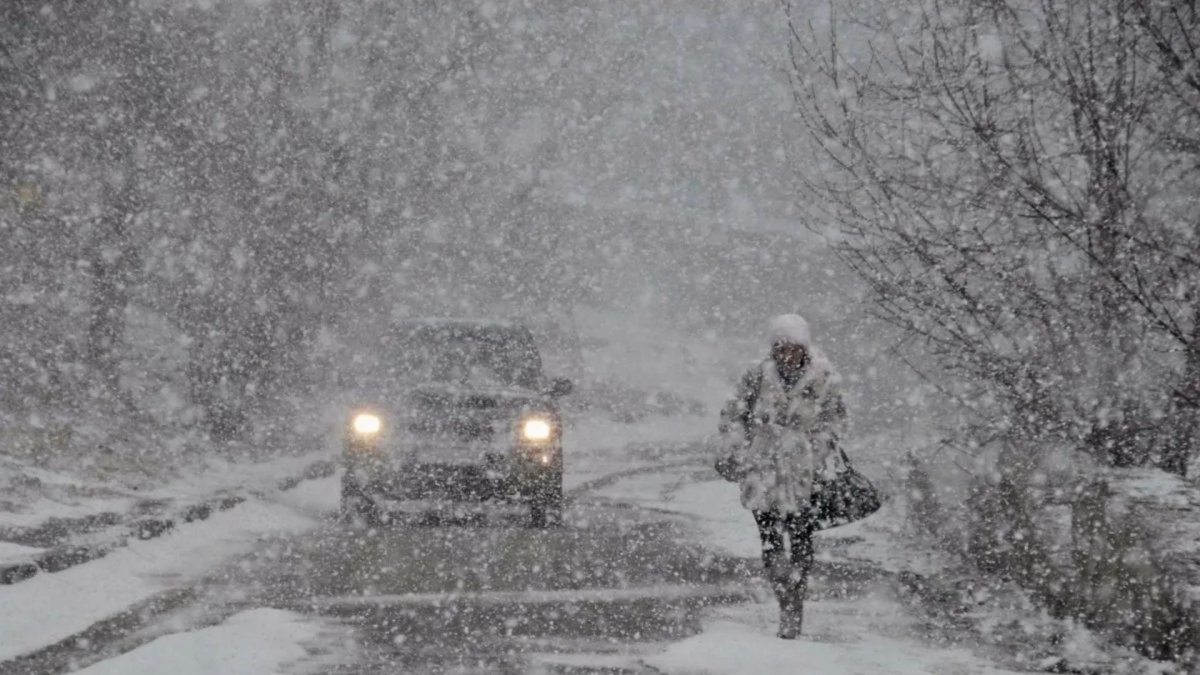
{"x":779,"y":568}
{"x":800,"y":528}
{"x":770,"y":532}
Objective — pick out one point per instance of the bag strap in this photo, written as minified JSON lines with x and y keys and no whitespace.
{"x":754,"y":394}
{"x":850,"y":469}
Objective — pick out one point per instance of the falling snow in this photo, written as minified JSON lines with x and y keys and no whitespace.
{"x":369,"y":337}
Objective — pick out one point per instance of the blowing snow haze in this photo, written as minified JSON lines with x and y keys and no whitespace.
{"x":213,"y":213}
{"x":227,"y":183}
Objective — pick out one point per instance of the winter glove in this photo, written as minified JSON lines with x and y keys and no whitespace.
{"x":729,"y":468}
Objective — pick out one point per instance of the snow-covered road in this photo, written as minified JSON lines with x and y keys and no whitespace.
{"x":655,"y":570}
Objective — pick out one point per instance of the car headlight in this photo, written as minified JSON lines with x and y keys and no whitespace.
{"x":366,"y":424}
{"x":536,"y":429}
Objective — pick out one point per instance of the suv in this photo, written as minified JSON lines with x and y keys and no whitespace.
{"x":454,"y":409}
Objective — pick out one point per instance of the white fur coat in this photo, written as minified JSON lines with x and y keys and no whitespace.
{"x":778,"y":437}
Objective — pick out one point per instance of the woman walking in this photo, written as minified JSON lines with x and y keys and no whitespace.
{"x":778,"y":430}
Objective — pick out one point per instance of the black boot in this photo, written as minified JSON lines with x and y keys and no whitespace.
{"x":791,"y":604}
{"x":791,"y":617}
{"x":789,"y":611}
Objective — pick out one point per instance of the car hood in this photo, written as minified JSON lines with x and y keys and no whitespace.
{"x":465,"y":414}
{"x":474,"y":398}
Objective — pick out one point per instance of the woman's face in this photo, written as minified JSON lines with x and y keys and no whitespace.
{"x":789,"y":355}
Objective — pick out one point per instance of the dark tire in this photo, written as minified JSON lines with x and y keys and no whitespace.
{"x":546,"y":507}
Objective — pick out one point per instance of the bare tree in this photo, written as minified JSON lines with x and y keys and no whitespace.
{"x":1004,"y":175}
{"x":1173,"y":33}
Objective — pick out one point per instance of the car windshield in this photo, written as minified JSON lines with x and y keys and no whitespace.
{"x":467,"y":355}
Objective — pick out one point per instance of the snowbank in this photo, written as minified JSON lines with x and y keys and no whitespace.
{"x":10,"y":552}
{"x":57,"y":606}
{"x":38,"y":495}
{"x":255,"y":642}
{"x":843,"y":638}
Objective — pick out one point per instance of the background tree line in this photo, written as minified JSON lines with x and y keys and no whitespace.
{"x":199,"y":198}
{"x":216,"y":174}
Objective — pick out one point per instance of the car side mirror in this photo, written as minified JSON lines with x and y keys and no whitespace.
{"x":559,"y":387}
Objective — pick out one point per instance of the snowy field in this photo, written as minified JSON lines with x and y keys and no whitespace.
{"x":57,"y":606}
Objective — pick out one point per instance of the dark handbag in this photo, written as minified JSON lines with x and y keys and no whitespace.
{"x":845,"y":498}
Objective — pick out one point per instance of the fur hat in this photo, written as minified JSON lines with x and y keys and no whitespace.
{"x":790,"y":329}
